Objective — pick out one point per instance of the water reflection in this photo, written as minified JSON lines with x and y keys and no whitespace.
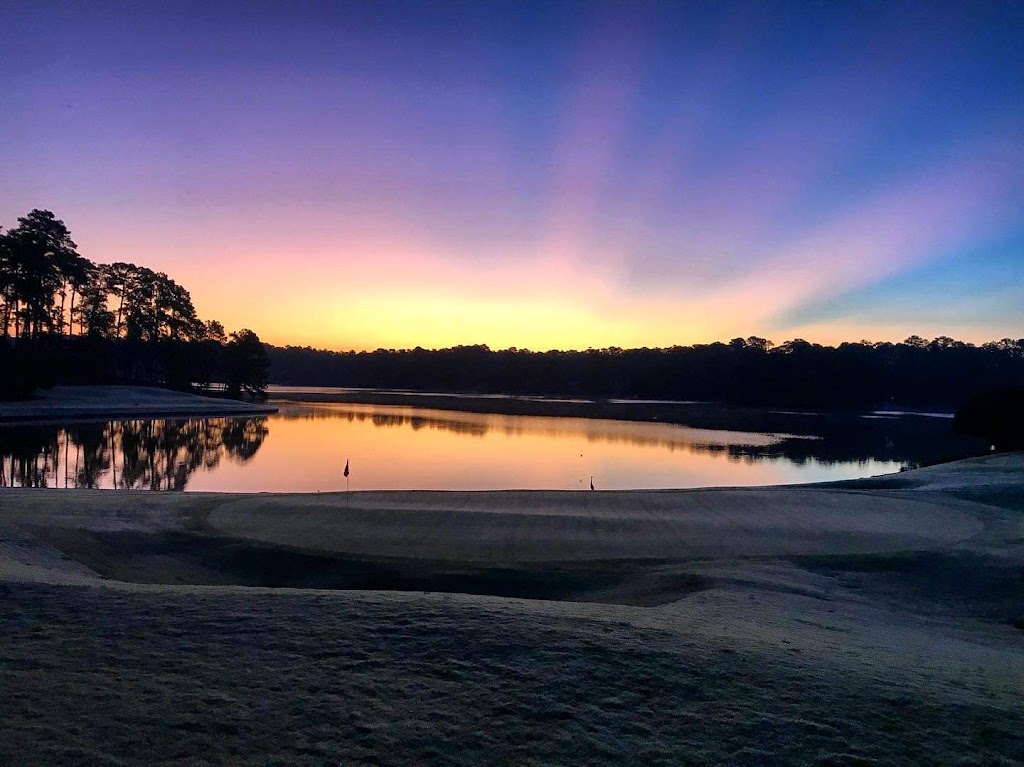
{"x":393,"y":447}
{"x":159,"y":454}
{"x":669,"y":436}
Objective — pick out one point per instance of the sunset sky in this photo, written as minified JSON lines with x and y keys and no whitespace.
{"x":540,"y":175}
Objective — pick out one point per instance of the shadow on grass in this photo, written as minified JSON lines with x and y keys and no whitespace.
{"x":184,"y":558}
{"x":962,"y":583}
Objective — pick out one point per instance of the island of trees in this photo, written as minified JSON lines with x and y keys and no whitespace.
{"x":65,"y":319}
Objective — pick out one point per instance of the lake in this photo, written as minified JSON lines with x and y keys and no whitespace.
{"x":304,"y":447}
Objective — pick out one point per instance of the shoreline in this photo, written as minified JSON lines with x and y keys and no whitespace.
{"x":707,"y":415}
{"x":696,"y":414}
{"x":917,"y":439}
{"x":78,"y":404}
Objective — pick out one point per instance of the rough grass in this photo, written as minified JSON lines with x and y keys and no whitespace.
{"x":107,"y":677}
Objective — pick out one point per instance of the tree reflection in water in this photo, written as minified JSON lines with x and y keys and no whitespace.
{"x":404,"y":447}
{"x":827,"y":438}
{"x":156,"y":454}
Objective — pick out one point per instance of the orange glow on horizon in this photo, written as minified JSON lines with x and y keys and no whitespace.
{"x":626,"y":174}
{"x":382,"y":283}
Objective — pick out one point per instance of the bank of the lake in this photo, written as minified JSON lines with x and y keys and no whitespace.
{"x":704,"y":415}
{"x":62,"y":404}
{"x":932,"y":431}
{"x":916,"y":438}
{"x":874,"y":623}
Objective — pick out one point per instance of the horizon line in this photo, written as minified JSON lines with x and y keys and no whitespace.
{"x":926,"y":342}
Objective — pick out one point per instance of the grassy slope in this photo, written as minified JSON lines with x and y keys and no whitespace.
{"x":889,"y":641}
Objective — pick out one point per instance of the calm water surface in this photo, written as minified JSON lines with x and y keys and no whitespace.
{"x":304,"y":447}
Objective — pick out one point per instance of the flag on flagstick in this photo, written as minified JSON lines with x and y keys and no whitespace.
{"x":345,"y":473}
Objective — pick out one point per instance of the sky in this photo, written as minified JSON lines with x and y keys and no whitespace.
{"x":535,"y":174}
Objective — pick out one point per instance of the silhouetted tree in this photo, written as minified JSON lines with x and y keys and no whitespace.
{"x":207,"y":356}
{"x":79,"y":274}
{"x":118,"y":278}
{"x":246,"y":365}
{"x":214,"y":331}
{"x":134,"y":325}
{"x":39,"y":254}
{"x":8,"y":292}
{"x":94,"y":318}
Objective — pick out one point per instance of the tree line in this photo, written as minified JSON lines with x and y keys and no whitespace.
{"x":937,"y":373}
{"x":66,"y":319}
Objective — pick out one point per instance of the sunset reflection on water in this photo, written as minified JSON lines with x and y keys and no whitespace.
{"x":304,"y":447}
{"x":391,"y":448}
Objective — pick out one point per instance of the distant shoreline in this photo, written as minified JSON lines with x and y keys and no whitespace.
{"x":77,"y":403}
{"x":855,"y":433}
{"x":706,"y":415}
{"x":63,"y":404}
{"x":915,"y":437}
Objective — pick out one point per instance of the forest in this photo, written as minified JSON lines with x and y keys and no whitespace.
{"x":65,"y":319}
{"x":917,"y":373}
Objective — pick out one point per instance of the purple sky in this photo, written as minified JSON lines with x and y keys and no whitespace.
{"x":535,"y":174}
